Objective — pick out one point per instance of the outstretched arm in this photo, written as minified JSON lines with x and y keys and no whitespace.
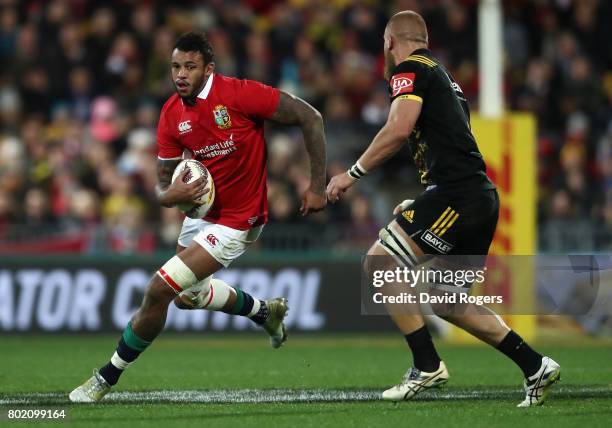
{"x":292,"y":110}
{"x":392,"y":136}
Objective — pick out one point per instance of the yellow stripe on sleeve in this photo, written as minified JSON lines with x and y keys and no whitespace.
{"x":410,"y":97}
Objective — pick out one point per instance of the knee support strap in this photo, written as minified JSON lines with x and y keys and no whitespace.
{"x":397,"y":247}
{"x":210,"y":293}
{"x":177,"y":274}
{"x":197,"y":292}
{"x":219,"y":294}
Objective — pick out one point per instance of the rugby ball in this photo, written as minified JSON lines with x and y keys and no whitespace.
{"x":196,"y":170}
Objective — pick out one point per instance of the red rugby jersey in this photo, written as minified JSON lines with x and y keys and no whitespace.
{"x":224,"y":130}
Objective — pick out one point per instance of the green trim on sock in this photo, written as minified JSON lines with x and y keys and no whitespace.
{"x":239,"y":301}
{"x":134,"y":341}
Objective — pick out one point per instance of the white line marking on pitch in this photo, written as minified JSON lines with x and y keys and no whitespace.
{"x":280,"y":395}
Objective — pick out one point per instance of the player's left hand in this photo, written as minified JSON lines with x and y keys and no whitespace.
{"x":338,"y":185}
{"x":402,"y":206}
{"x":312,"y":202}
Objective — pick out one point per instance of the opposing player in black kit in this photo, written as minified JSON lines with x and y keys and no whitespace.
{"x":455,"y":215}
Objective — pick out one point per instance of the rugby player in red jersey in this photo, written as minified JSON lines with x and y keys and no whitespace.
{"x":217,"y":120}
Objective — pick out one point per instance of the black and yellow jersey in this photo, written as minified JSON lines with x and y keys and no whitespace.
{"x":442,"y":145}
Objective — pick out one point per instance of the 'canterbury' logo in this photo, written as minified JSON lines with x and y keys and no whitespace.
{"x":184,"y":126}
{"x":212,"y":239}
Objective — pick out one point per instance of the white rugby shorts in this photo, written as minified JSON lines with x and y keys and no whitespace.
{"x":223,"y":243}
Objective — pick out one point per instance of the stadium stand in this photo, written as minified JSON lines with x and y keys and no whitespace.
{"x":82,"y":82}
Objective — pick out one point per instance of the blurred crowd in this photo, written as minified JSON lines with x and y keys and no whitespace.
{"x":82,"y":83}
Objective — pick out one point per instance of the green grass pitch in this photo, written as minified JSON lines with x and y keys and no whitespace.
{"x":313,"y":381}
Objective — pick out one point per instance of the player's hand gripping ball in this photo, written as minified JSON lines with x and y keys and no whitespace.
{"x":200,"y":207}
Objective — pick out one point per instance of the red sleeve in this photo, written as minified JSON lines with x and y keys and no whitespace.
{"x":257,"y":99}
{"x":168,"y":146}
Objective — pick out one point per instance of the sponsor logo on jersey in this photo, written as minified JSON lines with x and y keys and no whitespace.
{"x":222,"y":117}
{"x":212,"y":239}
{"x":212,"y":150}
{"x":456,"y":87}
{"x":408,"y":215}
{"x":436,"y":242}
{"x":184,"y":127}
{"x":402,"y":83}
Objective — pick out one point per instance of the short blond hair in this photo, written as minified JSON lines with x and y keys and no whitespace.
{"x":408,"y":26}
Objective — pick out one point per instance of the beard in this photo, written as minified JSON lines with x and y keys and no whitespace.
{"x":185,"y":96}
{"x":196,"y":88}
{"x":389,"y":65}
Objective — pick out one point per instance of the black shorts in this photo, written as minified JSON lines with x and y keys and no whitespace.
{"x":453,"y":223}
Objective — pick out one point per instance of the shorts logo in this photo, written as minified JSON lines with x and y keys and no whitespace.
{"x":212,"y":239}
{"x":222,"y":117}
{"x":444,"y":222}
{"x":408,"y":215}
{"x":252,"y":220}
{"x":402,"y":83}
{"x":436,"y":242}
{"x":184,"y":127}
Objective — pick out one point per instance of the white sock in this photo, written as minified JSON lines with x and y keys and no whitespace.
{"x":256,"y":307}
{"x":119,"y":362}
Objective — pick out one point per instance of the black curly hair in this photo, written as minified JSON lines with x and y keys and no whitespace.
{"x":196,"y":42}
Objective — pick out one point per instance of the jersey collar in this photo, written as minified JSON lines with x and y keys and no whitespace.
{"x":204,"y":94}
{"x":421,"y":51}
